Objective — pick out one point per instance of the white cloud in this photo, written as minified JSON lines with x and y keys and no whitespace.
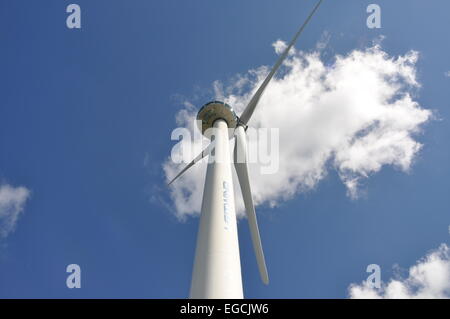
{"x":447,"y":74}
{"x":429,"y":278}
{"x":12,"y":203}
{"x":355,"y":114}
{"x":279,"y":46}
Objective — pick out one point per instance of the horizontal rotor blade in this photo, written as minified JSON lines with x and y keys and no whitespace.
{"x":195,"y":160}
{"x":250,"y":108}
{"x":240,"y":163}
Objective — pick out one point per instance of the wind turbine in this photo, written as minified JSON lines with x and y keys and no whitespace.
{"x":217,"y":268}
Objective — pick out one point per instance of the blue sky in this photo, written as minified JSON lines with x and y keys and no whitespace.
{"x":85,"y":123}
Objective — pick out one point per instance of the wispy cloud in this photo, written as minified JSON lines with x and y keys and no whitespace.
{"x":429,"y":278}
{"x":447,"y":74}
{"x":355,"y":115}
{"x":12,"y":203}
{"x":323,"y":41}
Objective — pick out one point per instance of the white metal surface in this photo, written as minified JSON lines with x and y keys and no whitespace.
{"x":217,"y":266}
{"x":240,"y":163}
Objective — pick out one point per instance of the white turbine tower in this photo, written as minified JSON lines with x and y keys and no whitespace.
{"x":217,"y":267}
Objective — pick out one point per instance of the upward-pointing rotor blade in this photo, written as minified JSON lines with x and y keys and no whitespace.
{"x":240,"y":163}
{"x":195,"y":160}
{"x":248,"y":111}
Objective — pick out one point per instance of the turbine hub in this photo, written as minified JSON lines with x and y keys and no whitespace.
{"x":213,"y":111}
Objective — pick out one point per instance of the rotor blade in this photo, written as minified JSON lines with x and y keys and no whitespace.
{"x":240,"y":163}
{"x":248,"y":111}
{"x":195,"y":160}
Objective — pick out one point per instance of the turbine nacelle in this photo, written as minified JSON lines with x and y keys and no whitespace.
{"x":213,"y":111}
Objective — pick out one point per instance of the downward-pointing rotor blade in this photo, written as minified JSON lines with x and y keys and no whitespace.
{"x":195,"y":160}
{"x":240,"y":163}
{"x":248,"y":111}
